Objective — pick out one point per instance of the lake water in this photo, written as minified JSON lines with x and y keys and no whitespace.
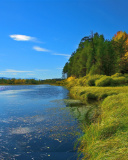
{"x":37,"y":123}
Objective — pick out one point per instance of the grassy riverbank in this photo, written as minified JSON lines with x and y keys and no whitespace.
{"x":106,"y":135}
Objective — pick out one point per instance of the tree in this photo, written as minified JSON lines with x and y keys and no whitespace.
{"x":95,"y":55}
{"x":121,"y":47}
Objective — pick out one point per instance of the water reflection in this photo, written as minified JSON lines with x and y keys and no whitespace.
{"x":36,"y":129}
{"x":21,"y":130}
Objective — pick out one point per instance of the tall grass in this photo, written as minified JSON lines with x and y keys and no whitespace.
{"x":106,"y":130}
{"x":117,"y":79}
{"x":108,"y":138}
{"x":88,"y":94}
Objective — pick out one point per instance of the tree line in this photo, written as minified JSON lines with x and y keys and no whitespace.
{"x":19,"y":81}
{"x":96,"y":55}
{"x":14,"y":81}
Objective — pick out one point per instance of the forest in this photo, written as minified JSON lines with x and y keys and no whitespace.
{"x":97,"y":55}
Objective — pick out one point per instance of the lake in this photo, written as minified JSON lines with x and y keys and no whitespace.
{"x":37,"y":123}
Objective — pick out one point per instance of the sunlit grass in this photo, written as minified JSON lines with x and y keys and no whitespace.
{"x":87,"y":94}
{"x":108,"y":138}
{"x":117,"y":79}
{"x":106,"y":125}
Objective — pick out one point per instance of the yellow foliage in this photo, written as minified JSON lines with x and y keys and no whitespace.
{"x":120,"y":35}
{"x":124,"y":36}
{"x":19,"y":81}
{"x":125,"y":58}
{"x":126,"y":41}
{"x":126,"y":55}
{"x":70,"y":79}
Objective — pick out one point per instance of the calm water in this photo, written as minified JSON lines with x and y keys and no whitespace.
{"x":36,"y":123}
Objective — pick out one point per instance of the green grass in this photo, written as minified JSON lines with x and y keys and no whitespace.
{"x":117,"y":79}
{"x":104,"y":81}
{"x":106,"y":119}
{"x":88,"y":94}
{"x":108,"y":138}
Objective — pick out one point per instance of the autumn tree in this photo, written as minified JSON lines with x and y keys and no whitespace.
{"x":121,"y":48}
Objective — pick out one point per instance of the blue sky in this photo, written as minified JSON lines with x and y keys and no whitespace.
{"x":37,"y":37}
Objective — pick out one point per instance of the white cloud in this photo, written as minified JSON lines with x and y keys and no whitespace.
{"x":59,"y":54}
{"x":14,"y":71}
{"x":39,"y":49}
{"x":59,"y":68}
{"x":18,"y":37}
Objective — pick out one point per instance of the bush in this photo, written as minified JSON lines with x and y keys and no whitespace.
{"x":70,"y":79}
{"x":104,"y":81}
{"x":117,"y":75}
{"x":84,"y":81}
{"x":70,"y":84}
{"x":91,"y":80}
{"x":125,"y":75}
{"x":97,"y":80}
{"x":79,"y":82}
{"x":120,"y":81}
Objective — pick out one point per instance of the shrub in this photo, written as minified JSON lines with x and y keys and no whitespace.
{"x":84,"y":81}
{"x":70,"y":84}
{"x":104,"y":81}
{"x":70,"y":79}
{"x":79,"y":82}
{"x":125,"y":75}
{"x":117,"y":75}
{"x":120,"y":80}
{"x":91,"y":80}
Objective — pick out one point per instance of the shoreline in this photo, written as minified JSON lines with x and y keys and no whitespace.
{"x":105,"y":136}
{"x":105,"y":128}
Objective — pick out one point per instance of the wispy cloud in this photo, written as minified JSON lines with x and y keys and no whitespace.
{"x":19,"y":37}
{"x":39,"y":49}
{"x":59,"y":54}
{"x":14,"y":71}
{"x":59,"y":68}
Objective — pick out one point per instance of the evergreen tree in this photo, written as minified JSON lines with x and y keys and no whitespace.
{"x":95,"y":55}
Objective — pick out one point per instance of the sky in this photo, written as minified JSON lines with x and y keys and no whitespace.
{"x":37,"y":37}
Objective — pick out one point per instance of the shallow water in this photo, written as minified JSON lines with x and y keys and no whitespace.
{"x":36,"y":123}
